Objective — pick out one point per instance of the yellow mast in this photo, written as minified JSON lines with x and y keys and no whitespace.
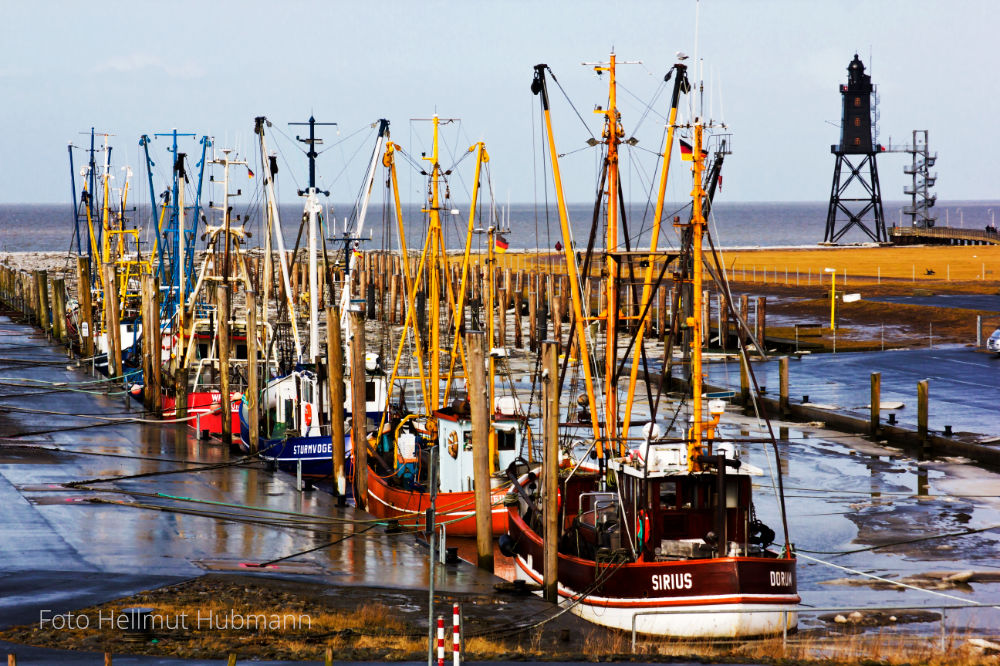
{"x":696,"y":438}
{"x":434,"y":277}
{"x":490,"y":336}
{"x":481,"y":158}
{"x":539,"y":87}
{"x":390,"y":161}
{"x":679,"y":84}
{"x":612,"y":136}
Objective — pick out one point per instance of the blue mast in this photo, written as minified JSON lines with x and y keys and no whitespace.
{"x":169,"y":240}
{"x":76,"y":210}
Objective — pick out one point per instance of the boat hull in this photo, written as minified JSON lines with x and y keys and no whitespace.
{"x":313,"y":454}
{"x":207,"y":405}
{"x":456,"y":510}
{"x":741,"y":589}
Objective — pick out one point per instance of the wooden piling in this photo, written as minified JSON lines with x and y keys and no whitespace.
{"x":148,"y":340}
{"x":86,"y":306}
{"x":550,"y":471}
{"x":783,"y":385}
{"x":224,"y":342}
{"x":761,"y":321}
{"x":113,"y":323}
{"x":502,"y":318}
{"x":745,"y":316}
{"x":42,"y":291}
{"x":335,"y":371}
{"x":253,"y":375}
{"x":532,"y":312}
{"x":59,"y":310}
{"x":181,"y":392}
{"x":518,"y":302}
{"x":474,"y":345}
{"x":922,"y":400}
{"x":876,"y":403}
{"x":744,"y":384}
{"x":723,"y":322}
{"x":359,"y":440}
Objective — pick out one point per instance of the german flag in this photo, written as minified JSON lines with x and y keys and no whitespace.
{"x":687,"y":153}
{"x":501,"y":244}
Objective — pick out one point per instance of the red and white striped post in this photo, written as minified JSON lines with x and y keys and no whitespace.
{"x":456,"y":636}
{"x":440,"y":641}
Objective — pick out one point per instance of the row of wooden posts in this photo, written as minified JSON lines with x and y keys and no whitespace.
{"x":381,"y":280}
{"x":29,"y":293}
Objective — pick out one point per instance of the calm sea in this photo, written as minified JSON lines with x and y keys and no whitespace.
{"x":51,"y":227}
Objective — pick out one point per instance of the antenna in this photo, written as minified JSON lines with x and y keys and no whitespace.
{"x":311,"y":153}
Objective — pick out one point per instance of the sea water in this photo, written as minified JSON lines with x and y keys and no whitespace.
{"x":49,"y":227}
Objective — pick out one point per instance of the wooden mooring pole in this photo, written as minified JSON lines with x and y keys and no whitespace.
{"x":550,"y":471}
{"x":876,"y":403}
{"x":253,"y":375}
{"x":224,"y":342}
{"x":86,"y":306}
{"x":359,"y":440}
{"x":335,"y":361}
{"x":474,"y":345}
{"x":922,"y":400}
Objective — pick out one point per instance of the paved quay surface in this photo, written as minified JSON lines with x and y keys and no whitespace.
{"x":60,"y":551}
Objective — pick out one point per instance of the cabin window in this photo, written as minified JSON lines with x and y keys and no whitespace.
{"x":506,"y":440}
{"x":857,"y":141}
{"x":668,"y":494}
{"x":370,"y":391}
{"x":202,"y":350}
{"x":857,"y":121}
{"x":857,"y":101}
{"x":241,"y":351}
{"x":290,"y":413}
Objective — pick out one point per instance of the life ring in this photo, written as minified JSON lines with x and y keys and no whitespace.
{"x":642,"y":527}
{"x":309,"y":413}
{"x":453,"y":444}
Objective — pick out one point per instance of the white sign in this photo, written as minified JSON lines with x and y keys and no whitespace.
{"x":850,"y":298}
{"x":84,"y":329}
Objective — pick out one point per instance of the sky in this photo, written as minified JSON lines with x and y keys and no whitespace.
{"x":771,"y":71}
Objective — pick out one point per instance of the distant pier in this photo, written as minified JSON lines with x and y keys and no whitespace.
{"x":942,"y":236}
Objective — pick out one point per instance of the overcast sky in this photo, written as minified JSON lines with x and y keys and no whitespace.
{"x":773,"y":69}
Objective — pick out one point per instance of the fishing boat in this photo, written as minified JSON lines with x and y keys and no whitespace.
{"x":422,"y":455}
{"x":663,"y":537}
{"x":296,"y":432}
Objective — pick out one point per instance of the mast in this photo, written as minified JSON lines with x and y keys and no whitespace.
{"x":612,"y":137}
{"x":539,"y":87}
{"x":681,"y":84}
{"x":179,"y":177}
{"x":434,"y":277}
{"x":312,"y":210}
{"x":345,"y":293}
{"x":696,"y":438}
{"x":273,"y":211}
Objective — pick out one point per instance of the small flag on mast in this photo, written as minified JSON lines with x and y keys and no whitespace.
{"x":687,"y":153}
{"x":501,"y":244}
{"x":249,"y":173}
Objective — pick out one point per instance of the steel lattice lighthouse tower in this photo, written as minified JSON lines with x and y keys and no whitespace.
{"x":856,"y":196}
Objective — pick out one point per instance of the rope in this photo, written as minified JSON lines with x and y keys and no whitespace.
{"x":894,"y":582}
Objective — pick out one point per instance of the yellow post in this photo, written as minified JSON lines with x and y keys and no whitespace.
{"x":833,"y":296}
